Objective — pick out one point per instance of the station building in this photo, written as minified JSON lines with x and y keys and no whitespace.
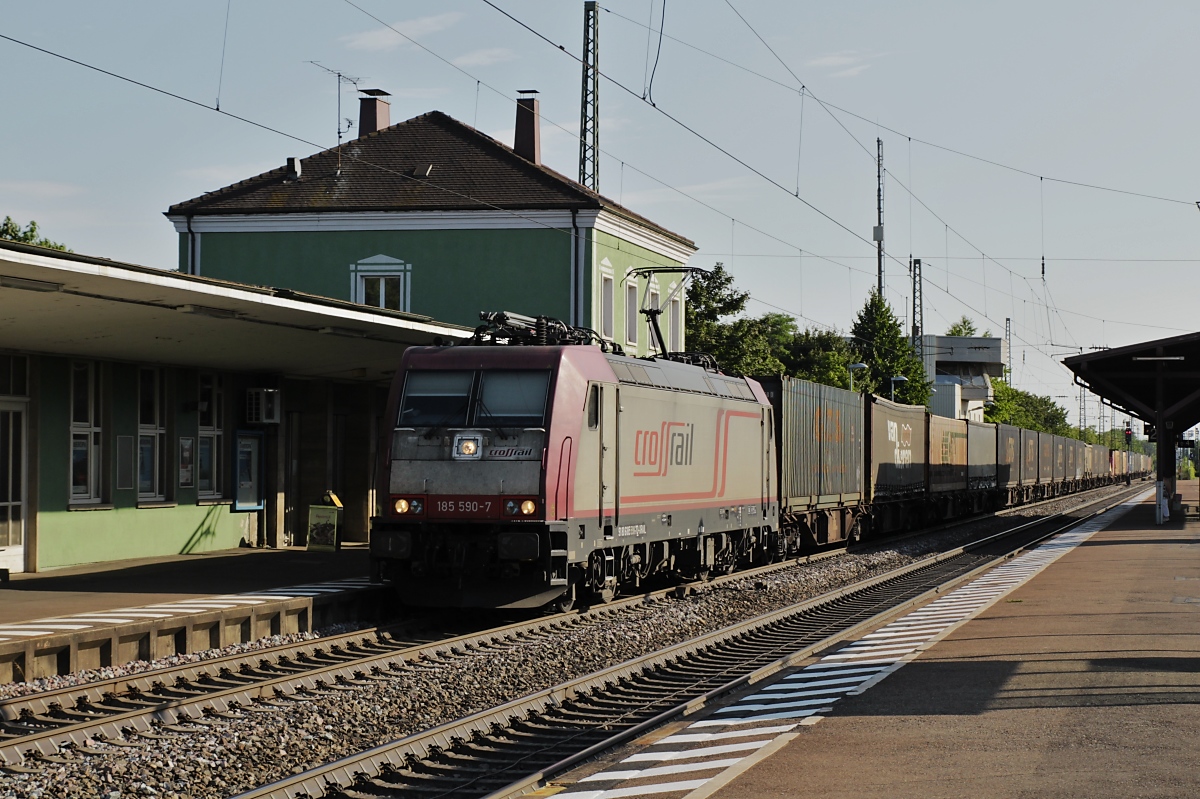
{"x":145,"y":412}
{"x":432,"y":217}
{"x":148,"y":412}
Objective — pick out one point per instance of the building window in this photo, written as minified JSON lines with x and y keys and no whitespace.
{"x":606,"y":310}
{"x":675,"y":323}
{"x":382,"y":282}
{"x":209,"y":445}
{"x":13,"y":371}
{"x":86,"y":438}
{"x":152,"y":435}
{"x":631,"y":312}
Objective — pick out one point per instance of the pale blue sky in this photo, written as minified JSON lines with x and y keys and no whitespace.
{"x":1098,"y":93}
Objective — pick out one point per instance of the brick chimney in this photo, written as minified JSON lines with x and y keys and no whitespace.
{"x":527,"y":142}
{"x":374,"y":112}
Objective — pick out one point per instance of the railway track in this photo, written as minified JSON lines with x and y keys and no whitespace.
{"x":37,"y":728}
{"x":512,"y":749}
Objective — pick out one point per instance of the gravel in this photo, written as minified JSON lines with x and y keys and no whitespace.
{"x":262,"y":747}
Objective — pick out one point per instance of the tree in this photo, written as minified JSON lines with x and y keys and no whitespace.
{"x":11,"y":231}
{"x":880,"y":343}
{"x":741,"y":346}
{"x":1031,"y":411}
{"x":963,"y":327}
{"x":821,"y":356}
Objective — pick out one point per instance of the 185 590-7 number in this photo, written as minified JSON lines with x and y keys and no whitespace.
{"x":464,"y":507}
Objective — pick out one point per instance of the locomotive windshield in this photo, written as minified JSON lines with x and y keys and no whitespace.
{"x":512,"y":399}
{"x":501,"y":398}
{"x":436,"y":398}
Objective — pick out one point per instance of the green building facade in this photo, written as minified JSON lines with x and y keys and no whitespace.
{"x":431,"y":217}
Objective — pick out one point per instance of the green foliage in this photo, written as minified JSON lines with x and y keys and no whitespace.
{"x":741,"y":346}
{"x":1187,"y":469}
{"x":1023,"y":409}
{"x":963,"y":327}
{"x":880,"y":343}
{"x":11,"y":231}
{"x":821,"y":356}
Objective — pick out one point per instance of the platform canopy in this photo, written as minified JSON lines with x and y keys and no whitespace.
{"x":57,"y":303}
{"x":1156,"y":381}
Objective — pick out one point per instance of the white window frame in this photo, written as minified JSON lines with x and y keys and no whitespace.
{"x":156,"y":431}
{"x":89,"y":432}
{"x":377,"y":267}
{"x":631,"y":312}
{"x":607,"y":307}
{"x":212,"y":433}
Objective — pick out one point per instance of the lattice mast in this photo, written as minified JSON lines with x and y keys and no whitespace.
{"x":589,"y":110}
{"x":918,"y":311}
{"x":878,"y":232}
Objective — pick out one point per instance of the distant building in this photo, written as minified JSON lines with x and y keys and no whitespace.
{"x":961,"y":369}
{"x":430,"y":216}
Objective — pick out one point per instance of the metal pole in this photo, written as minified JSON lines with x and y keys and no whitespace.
{"x":879,"y":210}
{"x":589,"y":101}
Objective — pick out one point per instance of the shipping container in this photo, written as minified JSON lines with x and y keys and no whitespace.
{"x":820,"y":443}
{"x":1029,"y":457}
{"x":981,"y":456}
{"x":1045,"y":457}
{"x":1008,"y":456}
{"x":1071,"y":453}
{"x":1060,"y":458}
{"x":947,"y":454}
{"x":897,"y":449}
{"x":1101,"y":463}
{"x":1080,"y":449}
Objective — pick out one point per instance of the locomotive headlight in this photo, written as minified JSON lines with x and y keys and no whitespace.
{"x":468,"y":447}
{"x":528,"y":507}
{"x":416,"y":505}
{"x":402,"y":506}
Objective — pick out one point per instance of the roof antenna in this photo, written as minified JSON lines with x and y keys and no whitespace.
{"x":341,"y":79}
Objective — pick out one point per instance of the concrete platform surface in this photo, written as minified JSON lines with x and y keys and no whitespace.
{"x":130,"y":583}
{"x":1071,"y":671}
{"x":104,"y":615}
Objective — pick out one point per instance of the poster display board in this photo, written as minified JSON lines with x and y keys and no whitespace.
{"x":323,"y":527}
{"x":247,"y":470}
{"x":187,"y":471}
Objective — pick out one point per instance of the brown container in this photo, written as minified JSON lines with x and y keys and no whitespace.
{"x":897,"y":436}
{"x":982,"y":463}
{"x":947,"y":454}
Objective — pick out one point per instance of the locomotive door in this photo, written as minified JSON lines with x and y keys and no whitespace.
{"x":609,"y":450}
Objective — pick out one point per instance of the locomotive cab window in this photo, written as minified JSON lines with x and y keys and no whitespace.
{"x":436,"y":398}
{"x":512,"y":399}
{"x":593,"y":408}
{"x":501,"y":398}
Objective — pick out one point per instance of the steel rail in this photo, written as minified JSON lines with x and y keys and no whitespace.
{"x":340,"y":777}
{"x":39,"y":725}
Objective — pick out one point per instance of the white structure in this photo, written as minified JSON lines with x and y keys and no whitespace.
{"x":961,"y":369}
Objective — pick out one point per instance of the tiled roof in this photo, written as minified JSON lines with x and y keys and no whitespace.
{"x":428,"y":163}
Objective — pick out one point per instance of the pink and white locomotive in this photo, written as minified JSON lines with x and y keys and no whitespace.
{"x":519,"y":476}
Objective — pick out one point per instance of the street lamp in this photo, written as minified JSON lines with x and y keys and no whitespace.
{"x":895,"y":380}
{"x":854,"y":367}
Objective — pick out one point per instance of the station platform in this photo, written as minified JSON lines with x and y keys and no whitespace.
{"x":109,"y":613}
{"x":1071,"y":671}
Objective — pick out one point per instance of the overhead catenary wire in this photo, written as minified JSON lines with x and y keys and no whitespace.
{"x":917,"y":139}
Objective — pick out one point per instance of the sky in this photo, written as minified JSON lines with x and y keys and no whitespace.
{"x":991,"y":117}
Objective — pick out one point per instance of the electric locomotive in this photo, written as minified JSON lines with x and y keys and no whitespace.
{"x":537,"y":465}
